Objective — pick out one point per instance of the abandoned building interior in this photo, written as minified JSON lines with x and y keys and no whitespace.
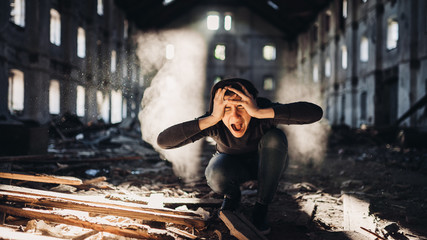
{"x":86,"y":86}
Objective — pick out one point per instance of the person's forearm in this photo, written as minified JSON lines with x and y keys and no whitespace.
{"x":208,"y":121}
{"x":264,"y":113}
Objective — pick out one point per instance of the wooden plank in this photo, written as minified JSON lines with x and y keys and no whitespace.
{"x":42,"y":178}
{"x":102,"y":209}
{"x":181,"y":232}
{"x":92,"y":199}
{"x":9,"y":233}
{"x":240,"y":227}
{"x":170,"y":201}
{"x":143,"y":231}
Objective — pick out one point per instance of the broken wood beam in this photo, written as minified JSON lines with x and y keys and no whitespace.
{"x":142,"y":232}
{"x":170,"y":201}
{"x":91,"y":199}
{"x":42,"y":178}
{"x":181,"y":232}
{"x":143,"y":214}
{"x":94,"y":180}
{"x":240,"y":227}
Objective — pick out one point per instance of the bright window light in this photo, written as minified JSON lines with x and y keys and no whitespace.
{"x":125,"y":29}
{"x":328,"y":67}
{"x":81,"y":42}
{"x":124,"y":109}
{"x":16,"y":90}
{"x":54,"y":97}
{"x":17,"y":13}
{"x":167,"y":2}
{"x":344,"y":57}
{"x":268,"y":84}
{"x":55,"y":27}
{"x":315,"y":73}
{"x":364,"y":49}
{"x":227,"y":22}
{"x":213,"y":21}
{"x":170,"y":51}
{"x":116,"y":106}
{"x":100,"y":8}
{"x":103,"y":103}
{"x":113,"y":61}
{"x":344,"y":8}
{"x":220,"y":52}
{"x":80,"y":104}
{"x":269,"y":52}
{"x":392,"y":34}
{"x":273,"y":5}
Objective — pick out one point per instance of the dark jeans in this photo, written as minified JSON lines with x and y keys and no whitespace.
{"x":225,"y":173}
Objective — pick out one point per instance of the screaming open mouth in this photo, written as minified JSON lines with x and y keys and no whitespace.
{"x":237,"y":127}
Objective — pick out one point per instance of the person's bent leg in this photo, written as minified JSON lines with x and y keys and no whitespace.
{"x":273,"y":157}
{"x":273,"y":160}
{"x":224,"y":174}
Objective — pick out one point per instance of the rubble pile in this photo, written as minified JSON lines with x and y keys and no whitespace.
{"x":103,"y":182}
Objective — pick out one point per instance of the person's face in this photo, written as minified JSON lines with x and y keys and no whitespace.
{"x":235,"y":118}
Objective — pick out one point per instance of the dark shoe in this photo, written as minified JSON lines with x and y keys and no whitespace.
{"x":259,"y":218}
{"x":230,"y":204}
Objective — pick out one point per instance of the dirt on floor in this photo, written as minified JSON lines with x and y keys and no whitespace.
{"x":391,"y":177}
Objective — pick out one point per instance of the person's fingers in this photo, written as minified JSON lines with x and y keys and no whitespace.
{"x":244,"y":89}
{"x":240,"y":93}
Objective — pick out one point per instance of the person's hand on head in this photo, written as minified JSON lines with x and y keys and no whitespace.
{"x":219,"y":104}
{"x":247,"y":100}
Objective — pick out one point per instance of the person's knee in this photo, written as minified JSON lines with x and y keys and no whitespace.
{"x":274,"y":139}
{"x":216,"y":177}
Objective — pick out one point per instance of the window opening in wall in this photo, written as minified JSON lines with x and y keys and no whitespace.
{"x":314,"y":32}
{"x":17,"y":12}
{"x":81,"y":42}
{"x":315,"y":73}
{"x":124,"y":109}
{"x":100,"y":7}
{"x":272,"y":5}
{"x":217,"y":79}
{"x":213,"y":21}
{"x":328,"y":67}
{"x":16,"y":90}
{"x":103,"y":103}
{"x":227,"y":21}
{"x":170,"y":51}
{"x":220,"y":52}
{"x":54,"y":97}
{"x":269,"y":52}
{"x":392,"y":33}
{"x":364,"y":1}
{"x":113,"y":61}
{"x":167,"y":2}
{"x":364,"y":49}
{"x":125,"y":29}
{"x":327,"y":21}
{"x":268,"y":83}
{"x":116,"y":106}
{"x":363,"y":104}
{"x":344,"y":8}
{"x":344,"y":57}
{"x":80,"y":104}
{"x":55,"y":27}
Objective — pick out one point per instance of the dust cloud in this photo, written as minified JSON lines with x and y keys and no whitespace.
{"x":175,"y":91}
{"x":307,"y":143}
